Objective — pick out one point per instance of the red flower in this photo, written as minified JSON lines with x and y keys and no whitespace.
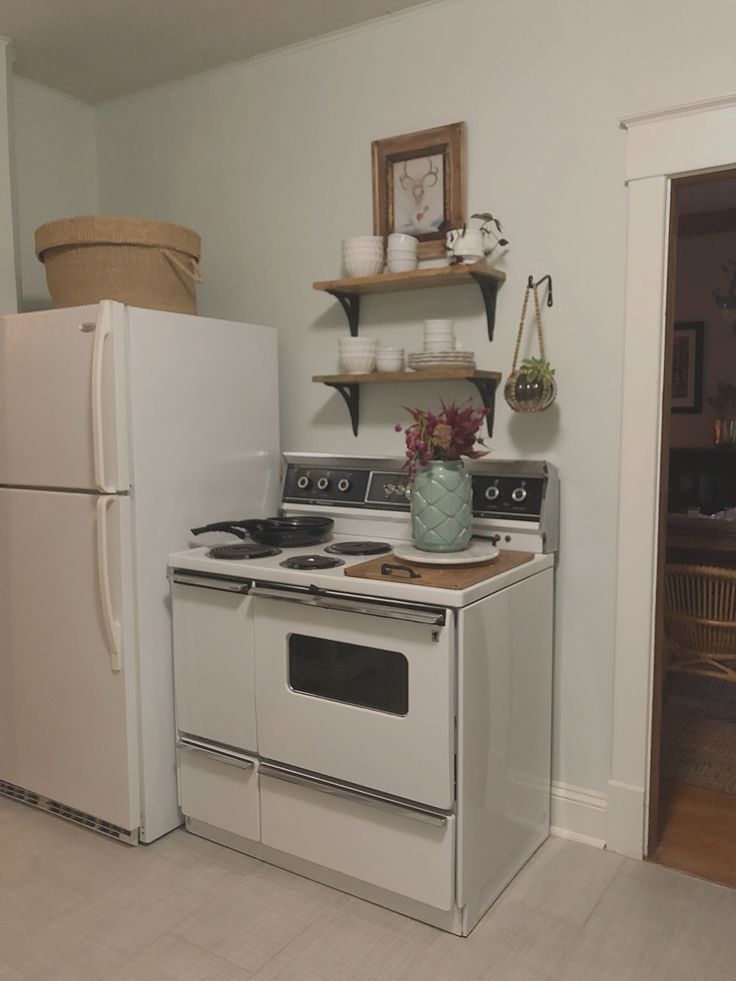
{"x":448,"y":435}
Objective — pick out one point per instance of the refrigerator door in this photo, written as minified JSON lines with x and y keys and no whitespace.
{"x":68,"y":723}
{"x":62,"y":378}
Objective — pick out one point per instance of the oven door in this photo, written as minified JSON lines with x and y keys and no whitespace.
{"x":357,"y":690}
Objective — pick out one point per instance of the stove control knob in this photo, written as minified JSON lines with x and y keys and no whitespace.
{"x":492,"y":492}
{"x":344,"y":485}
{"x":302,"y":483}
{"x":323,"y":483}
{"x":519,"y":494}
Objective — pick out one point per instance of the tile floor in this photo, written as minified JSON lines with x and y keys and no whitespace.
{"x":75,"y":907}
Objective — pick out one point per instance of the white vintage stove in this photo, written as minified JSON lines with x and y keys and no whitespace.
{"x":387,"y":736}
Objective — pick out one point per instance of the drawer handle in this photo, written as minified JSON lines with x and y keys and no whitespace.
{"x":210,"y":582}
{"x":221,"y":755}
{"x":415,"y":813}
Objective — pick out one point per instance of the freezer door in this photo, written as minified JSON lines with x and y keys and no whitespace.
{"x":62,"y":414}
{"x":68,"y":725}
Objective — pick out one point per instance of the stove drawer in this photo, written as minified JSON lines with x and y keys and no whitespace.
{"x":213,"y":660}
{"x":219,"y":787}
{"x":409,"y":851}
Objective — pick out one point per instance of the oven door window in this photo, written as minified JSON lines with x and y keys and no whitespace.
{"x":349,"y":673}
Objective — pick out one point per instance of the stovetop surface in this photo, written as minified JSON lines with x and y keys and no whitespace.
{"x":271,"y":570}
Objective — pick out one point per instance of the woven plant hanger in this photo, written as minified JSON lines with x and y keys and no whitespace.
{"x":548,"y":390}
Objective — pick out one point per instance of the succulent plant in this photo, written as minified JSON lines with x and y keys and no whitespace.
{"x":537,"y":370}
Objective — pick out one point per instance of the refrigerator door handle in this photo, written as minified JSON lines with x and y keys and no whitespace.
{"x":112,"y":627}
{"x":102,"y":332}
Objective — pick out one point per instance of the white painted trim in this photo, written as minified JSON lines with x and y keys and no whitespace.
{"x":697,"y":138}
{"x":578,"y":814}
{"x":687,"y":140}
{"x":686,"y":109}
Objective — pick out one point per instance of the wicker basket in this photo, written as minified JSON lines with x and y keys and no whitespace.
{"x":134,"y":260}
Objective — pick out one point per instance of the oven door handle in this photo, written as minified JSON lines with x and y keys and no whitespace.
{"x":412,"y":811}
{"x":330,"y":602}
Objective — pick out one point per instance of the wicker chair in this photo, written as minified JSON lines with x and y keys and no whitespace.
{"x":700,"y":620}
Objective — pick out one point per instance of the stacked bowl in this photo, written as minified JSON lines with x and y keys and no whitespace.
{"x":363,"y":255}
{"x":357,"y":355}
{"x":402,"y":252}
{"x":439,"y":335}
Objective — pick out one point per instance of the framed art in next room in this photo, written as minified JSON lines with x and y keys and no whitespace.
{"x":687,"y":367}
{"x":419,"y":186}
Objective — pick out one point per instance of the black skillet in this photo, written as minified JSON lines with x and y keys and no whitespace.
{"x":281,"y":532}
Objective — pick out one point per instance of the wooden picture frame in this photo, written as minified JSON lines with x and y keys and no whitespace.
{"x":687,"y":367}
{"x":419,"y":184}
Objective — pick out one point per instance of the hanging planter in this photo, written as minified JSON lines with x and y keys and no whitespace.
{"x":532,"y":387}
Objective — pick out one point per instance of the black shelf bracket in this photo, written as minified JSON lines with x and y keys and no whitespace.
{"x":488,"y":289}
{"x":487,"y":389}
{"x":351,"y":394}
{"x":350,"y":303}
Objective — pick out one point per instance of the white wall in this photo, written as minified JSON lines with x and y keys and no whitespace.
{"x":55,"y":172}
{"x":699,"y":260}
{"x":270,"y":161}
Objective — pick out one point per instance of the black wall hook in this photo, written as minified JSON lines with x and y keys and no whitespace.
{"x":530,"y":284}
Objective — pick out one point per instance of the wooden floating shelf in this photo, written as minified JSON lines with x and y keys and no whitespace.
{"x":349,"y":291}
{"x":379,"y":377}
{"x":349,"y":386}
{"x":418,"y":279}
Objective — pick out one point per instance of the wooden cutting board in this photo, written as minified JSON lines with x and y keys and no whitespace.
{"x":442,"y":577}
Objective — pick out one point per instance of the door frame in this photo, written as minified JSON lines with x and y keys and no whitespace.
{"x":676,"y":142}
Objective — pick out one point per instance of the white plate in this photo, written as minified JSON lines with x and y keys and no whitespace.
{"x":429,"y":365}
{"x":477,"y":552}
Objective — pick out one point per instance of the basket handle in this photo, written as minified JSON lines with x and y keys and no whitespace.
{"x":193,"y":270}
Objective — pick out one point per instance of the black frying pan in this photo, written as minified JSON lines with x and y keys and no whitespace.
{"x":287,"y":532}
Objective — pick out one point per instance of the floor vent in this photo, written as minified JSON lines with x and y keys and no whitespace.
{"x":68,"y":813}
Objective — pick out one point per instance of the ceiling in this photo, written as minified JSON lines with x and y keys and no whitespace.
{"x":99,"y":49}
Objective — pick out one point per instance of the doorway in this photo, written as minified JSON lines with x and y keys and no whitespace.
{"x":693,"y":767}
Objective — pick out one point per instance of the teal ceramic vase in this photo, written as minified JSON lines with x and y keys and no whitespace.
{"x":442,"y":507}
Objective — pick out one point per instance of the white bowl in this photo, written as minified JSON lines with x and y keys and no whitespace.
{"x":386,"y":351}
{"x":401,"y":265}
{"x":355,"y":342}
{"x":351,"y":249}
{"x":438,"y":325}
{"x":364,"y":240}
{"x":400,"y":240}
{"x":358,"y":364}
{"x":364,"y":266}
{"x":402,"y":253}
{"x":360,"y":347}
{"x":392,"y":363}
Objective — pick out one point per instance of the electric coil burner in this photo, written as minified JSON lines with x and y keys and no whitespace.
{"x":359,"y":548}
{"x":243,"y":550}
{"x":311,"y":562}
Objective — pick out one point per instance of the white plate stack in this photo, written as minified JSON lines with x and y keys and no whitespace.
{"x":440,"y":349}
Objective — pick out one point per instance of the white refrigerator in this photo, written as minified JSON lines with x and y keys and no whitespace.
{"x":120,"y":429}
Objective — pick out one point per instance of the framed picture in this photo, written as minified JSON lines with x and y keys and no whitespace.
{"x":419,"y":185}
{"x":687,"y":368}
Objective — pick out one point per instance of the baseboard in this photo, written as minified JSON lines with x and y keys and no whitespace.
{"x":627,"y":818}
{"x":578,"y":814}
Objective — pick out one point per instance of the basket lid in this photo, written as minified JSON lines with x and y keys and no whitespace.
{"x":113,"y":230}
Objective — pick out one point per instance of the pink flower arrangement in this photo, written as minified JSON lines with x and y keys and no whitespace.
{"x":446,"y":435}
